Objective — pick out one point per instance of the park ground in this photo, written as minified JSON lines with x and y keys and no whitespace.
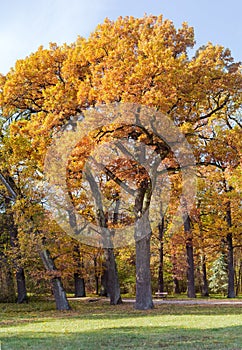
{"x":172,"y":324}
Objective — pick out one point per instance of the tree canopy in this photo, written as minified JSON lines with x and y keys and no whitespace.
{"x":143,"y":62}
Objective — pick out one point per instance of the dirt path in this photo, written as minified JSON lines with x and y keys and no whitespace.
{"x":192,"y":301}
{"x":168,"y":300}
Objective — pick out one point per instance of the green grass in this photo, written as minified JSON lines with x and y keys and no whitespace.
{"x":94,"y":326}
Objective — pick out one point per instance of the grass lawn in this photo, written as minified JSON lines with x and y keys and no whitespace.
{"x":97,"y":326}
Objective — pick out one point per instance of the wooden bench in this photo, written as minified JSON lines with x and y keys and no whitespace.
{"x":161,"y":295}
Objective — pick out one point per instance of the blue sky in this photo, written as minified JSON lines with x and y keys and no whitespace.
{"x":26,"y":24}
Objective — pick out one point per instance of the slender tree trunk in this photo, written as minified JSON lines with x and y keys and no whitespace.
{"x":230,"y":254}
{"x":58,"y":289}
{"x":96,"y":276}
{"x":161,"y":257}
{"x":205,"y":291}
{"x":230,"y":259}
{"x":79,"y":282}
{"x":239,"y":279}
{"x":97,"y":285}
{"x":190,"y":260}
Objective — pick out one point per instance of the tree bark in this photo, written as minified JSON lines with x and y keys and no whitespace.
{"x":19,"y":274}
{"x":190,"y":260}
{"x":96,"y":276}
{"x":205,"y":291}
{"x":230,"y":254}
{"x":142,"y":245}
{"x":21,"y":286}
{"x":7,"y":291}
{"x":161,"y":257}
{"x":104,"y":281}
{"x":239,"y":279}
{"x":79,"y":282}
{"x":230,"y":259}
{"x":143,"y":277}
{"x":58,"y":290}
{"x":113,"y":288}
{"x":176,"y":286}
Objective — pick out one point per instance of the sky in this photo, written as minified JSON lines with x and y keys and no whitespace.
{"x":26,"y":24}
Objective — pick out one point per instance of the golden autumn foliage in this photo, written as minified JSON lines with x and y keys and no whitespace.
{"x":144,"y":61}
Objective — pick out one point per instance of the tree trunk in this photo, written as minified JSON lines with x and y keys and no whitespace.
{"x":230,"y":258}
{"x":161,"y":257}
{"x":190,"y":261}
{"x":143,"y":277}
{"x":7,"y":291}
{"x":21,"y":286}
{"x":20,"y":276}
{"x":239,"y":279}
{"x":113,"y":288}
{"x":205,"y":292}
{"x":230,"y":254}
{"x":104,"y":282}
{"x":142,"y":245}
{"x":96,"y":276}
{"x":58,"y":290}
{"x":79,"y":282}
{"x":176,"y":286}
{"x":13,"y":233}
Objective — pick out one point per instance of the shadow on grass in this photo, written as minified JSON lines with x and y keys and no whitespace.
{"x":12,"y":314}
{"x":228,"y":338}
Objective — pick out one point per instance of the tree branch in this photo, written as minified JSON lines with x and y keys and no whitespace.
{"x":9,"y":188}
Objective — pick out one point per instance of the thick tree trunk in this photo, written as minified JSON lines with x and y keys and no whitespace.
{"x":143,"y":278}
{"x":112,"y":282}
{"x":13,"y":233}
{"x":21,"y":286}
{"x":142,"y":245}
{"x":80,"y":290}
{"x":205,"y":291}
{"x":104,"y":282}
{"x":230,"y":254}
{"x":20,"y":276}
{"x":113,"y":288}
{"x":79,"y":282}
{"x":7,"y":291}
{"x":190,"y":260}
{"x":58,"y":290}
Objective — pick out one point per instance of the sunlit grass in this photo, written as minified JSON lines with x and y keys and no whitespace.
{"x":98,"y":325}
